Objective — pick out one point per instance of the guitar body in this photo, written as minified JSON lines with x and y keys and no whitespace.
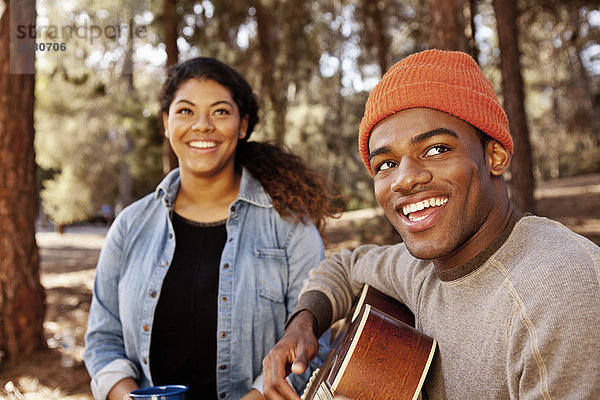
{"x":376,"y":355}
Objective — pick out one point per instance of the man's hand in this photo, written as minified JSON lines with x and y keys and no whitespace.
{"x":292,"y":353}
{"x":253,"y":395}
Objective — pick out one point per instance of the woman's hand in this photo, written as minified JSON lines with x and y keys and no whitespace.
{"x":122,"y":389}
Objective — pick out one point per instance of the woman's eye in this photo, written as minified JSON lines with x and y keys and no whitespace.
{"x":435,"y":150}
{"x":184,"y":111}
{"x":222,"y":111}
{"x":385,"y":165}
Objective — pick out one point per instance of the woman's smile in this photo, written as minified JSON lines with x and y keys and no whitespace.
{"x":202,"y":144}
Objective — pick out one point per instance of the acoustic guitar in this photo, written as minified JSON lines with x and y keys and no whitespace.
{"x":377,"y":354}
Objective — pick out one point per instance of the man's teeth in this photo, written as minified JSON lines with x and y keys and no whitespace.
{"x":421,"y":205}
{"x":203,"y":144}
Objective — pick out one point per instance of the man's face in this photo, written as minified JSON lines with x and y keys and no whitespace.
{"x":432,"y":179}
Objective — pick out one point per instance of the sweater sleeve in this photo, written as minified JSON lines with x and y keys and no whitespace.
{"x":330,"y":290}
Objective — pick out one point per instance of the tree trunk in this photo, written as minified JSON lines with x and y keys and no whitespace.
{"x":170,"y":26}
{"x":373,"y":10}
{"x":472,"y":6}
{"x":266,"y":44}
{"x":522,"y":183}
{"x":21,"y":293}
{"x":271,"y":86}
{"x":587,"y":110}
{"x":125,"y":196}
{"x":447,"y":30}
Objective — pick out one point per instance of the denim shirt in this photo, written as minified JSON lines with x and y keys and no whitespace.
{"x":263,"y":265}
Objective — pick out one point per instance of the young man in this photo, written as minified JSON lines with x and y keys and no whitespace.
{"x":513,"y":300}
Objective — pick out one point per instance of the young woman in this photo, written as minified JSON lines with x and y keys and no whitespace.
{"x":196,"y":280}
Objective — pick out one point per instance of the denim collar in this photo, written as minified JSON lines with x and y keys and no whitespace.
{"x":251,"y":190}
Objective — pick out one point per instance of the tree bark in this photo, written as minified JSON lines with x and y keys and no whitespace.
{"x":21,"y":293}
{"x":170,"y":23}
{"x":125,"y":196}
{"x":472,"y":6}
{"x":271,"y":86}
{"x":522,"y":182}
{"x":373,"y":11}
{"x":447,"y":30}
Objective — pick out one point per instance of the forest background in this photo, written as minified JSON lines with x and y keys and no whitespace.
{"x":80,"y":134}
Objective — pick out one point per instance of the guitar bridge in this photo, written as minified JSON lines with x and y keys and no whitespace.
{"x":324,"y":392}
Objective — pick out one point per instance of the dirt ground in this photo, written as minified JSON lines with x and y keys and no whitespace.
{"x":68,"y":267}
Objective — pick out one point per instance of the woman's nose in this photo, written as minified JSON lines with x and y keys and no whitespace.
{"x":202,"y":123}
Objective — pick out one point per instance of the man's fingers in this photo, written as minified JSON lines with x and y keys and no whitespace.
{"x":293,"y":352}
{"x":275,"y":386}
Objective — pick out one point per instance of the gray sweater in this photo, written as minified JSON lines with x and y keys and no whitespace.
{"x":521,"y":321}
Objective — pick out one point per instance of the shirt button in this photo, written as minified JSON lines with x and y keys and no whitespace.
{"x":170,"y":236}
{"x":153,"y":294}
{"x":223,"y":335}
{"x":145,"y":360}
{"x":146,"y":327}
{"x":223,"y":367}
{"x":232,"y":208}
{"x":164,"y":263}
{"x":224,"y":299}
{"x":226,"y":266}
{"x":223,"y":395}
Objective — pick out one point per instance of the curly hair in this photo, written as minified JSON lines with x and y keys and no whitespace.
{"x":298,"y":193}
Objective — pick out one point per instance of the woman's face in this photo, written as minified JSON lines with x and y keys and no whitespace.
{"x":203,"y":126}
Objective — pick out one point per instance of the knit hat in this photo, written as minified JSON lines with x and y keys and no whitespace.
{"x":448,"y":81}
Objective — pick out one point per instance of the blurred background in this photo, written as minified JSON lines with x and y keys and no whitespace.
{"x":83,"y":135}
{"x":312,"y":64}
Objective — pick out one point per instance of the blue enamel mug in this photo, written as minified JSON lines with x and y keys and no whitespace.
{"x":167,"y":392}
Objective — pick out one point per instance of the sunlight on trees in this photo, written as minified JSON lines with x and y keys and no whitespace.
{"x":311,"y":64}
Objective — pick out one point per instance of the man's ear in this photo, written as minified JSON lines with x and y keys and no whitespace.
{"x":497,"y":157}
{"x":165,"y":118}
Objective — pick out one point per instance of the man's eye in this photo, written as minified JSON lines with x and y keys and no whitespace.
{"x":385,"y":165}
{"x":184,"y":111}
{"x":435,"y":150}
{"x":221,"y":111}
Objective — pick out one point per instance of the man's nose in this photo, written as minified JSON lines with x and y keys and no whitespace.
{"x":409,"y":174}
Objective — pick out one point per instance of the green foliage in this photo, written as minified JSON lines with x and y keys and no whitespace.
{"x":96,"y":125}
{"x":66,"y":198}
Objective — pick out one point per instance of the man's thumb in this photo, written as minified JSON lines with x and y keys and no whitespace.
{"x":300,"y":363}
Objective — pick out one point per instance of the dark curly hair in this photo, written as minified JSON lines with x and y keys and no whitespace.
{"x":298,"y":193}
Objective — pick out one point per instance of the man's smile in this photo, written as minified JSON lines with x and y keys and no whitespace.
{"x":410,"y":209}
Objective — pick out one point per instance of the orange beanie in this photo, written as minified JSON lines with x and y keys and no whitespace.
{"x":448,"y":81}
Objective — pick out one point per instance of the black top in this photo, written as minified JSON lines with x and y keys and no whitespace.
{"x":183,"y":349}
